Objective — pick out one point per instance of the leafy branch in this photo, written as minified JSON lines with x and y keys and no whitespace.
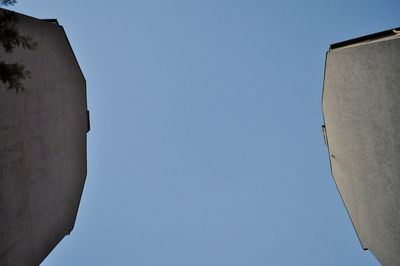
{"x":8,"y":2}
{"x":12,"y":73}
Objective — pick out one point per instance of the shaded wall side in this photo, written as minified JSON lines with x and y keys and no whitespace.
{"x":42,"y":147}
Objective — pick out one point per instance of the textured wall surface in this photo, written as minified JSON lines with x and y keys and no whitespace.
{"x":361,"y":106}
{"x":42,"y":147}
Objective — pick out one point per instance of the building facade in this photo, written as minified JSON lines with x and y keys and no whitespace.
{"x":361,"y":108}
{"x":43,"y":132}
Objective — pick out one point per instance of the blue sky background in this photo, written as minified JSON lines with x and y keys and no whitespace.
{"x":206,"y":145}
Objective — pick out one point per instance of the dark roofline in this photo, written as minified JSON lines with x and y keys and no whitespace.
{"x":51,"y":20}
{"x":369,"y":37}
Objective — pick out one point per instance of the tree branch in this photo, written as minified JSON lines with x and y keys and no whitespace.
{"x":10,"y":38}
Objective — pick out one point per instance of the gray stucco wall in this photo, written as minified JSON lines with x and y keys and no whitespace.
{"x":361,"y":106}
{"x":42,"y":147}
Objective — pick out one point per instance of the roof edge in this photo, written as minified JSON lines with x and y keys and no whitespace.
{"x":369,"y":37}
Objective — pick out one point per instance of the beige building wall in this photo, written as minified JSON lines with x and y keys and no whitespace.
{"x":361,"y":106}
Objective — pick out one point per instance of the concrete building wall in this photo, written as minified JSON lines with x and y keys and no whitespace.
{"x":361,"y":106}
{"x":42,"y":147}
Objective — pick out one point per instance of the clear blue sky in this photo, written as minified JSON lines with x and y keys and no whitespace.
{"x":206,"y":145}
